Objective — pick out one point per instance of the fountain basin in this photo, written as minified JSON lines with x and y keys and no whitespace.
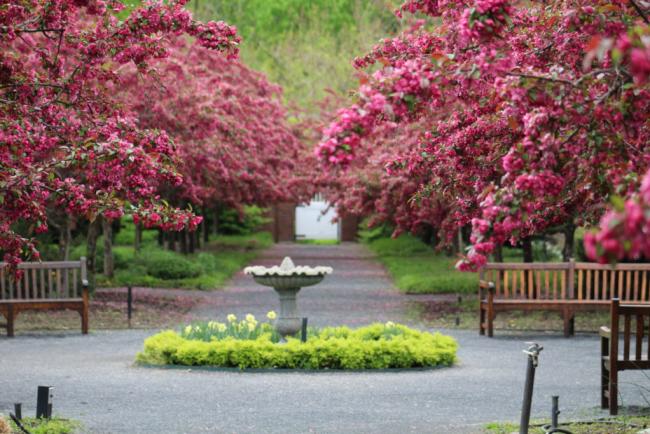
{"x":287,"y":280}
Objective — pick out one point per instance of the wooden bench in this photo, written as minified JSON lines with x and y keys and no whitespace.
{"x":563,"y":287}
{"x":635,"y":323}
{"x":44,"y":286}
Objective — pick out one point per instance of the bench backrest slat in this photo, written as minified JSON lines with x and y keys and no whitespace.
{"x":569,"y":280}
{"x":626,"y":337}
{"x":43,"y":280}
{"x":636,"y":320}
{"x":639,"y":336}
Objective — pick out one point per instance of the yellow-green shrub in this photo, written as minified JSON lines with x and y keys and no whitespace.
{"x":377,"y":346}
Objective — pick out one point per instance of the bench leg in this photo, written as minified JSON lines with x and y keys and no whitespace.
{"x":11,"y":316}
{"x":481,"y":324}
{"x":604,"y":374}
{"x":569,"y":324}
{"x":490,"y":313}
{"x":84,"y":321}
{"x":490,"y":323}
{"x":613,"y":393}
{"x":84,"y":310}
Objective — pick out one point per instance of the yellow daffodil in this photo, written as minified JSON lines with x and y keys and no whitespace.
{"x":390,"y":324}
{"x":250,"y":317}
{"x":271,"y":315}
{"x":221,"y":327}
{"x":251,"y":326}
{"x":231,"y":318}
{"x":188,"y":330}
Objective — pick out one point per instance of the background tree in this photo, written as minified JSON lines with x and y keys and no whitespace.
{"x":67,"y":142}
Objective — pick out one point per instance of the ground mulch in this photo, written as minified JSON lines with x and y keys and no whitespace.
{"x":152,"y":308}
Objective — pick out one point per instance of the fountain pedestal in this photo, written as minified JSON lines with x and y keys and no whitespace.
{"x":287,"y":280}
{"x":289,"y":320}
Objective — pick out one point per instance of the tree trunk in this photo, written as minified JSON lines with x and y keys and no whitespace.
{"x":569,"y":242}
{"x":527,"y":246}
{"x":498,"y":253}
{"x":65,"y":237}
{"x":196,"y":235}
{"x":205,"y":227}
{"x":191,"y":238}
{"x":171,"y":238}
{"x":161,"y":238}
{"x":109,"y":261}
{"x":137,"y":242}
{"x":183,"y":235}
{"x":454,"y":248}
{"x":91,"y":250}
{"x":216,"y":221}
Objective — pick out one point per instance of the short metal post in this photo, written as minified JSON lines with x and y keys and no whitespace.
{"x":18,"y":410}
{"x":460,"y":302}
{"x":533,"y":360}
{"x":555,"y":412}
{"x":129,"y":303}
{"x":303,"y":330}
{"x":44,"y":402}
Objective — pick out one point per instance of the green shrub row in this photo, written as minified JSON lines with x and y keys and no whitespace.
{"x":377,"y":346}
{"x":154,"y":266}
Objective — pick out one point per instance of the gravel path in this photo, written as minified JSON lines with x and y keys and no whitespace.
{"x":357,"y":293}
{"x":97,"y":383}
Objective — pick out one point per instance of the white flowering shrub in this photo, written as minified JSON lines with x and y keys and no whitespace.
{"x":248,"y":328}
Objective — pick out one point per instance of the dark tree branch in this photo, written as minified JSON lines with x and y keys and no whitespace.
{"x":640,"y":11}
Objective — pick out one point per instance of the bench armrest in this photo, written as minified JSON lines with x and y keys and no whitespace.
{"x":605,"y":332}
{"x":483,"y":285}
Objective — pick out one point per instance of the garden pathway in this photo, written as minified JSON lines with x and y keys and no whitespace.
{"x":95,"y":380}
{"x":358,"y":292}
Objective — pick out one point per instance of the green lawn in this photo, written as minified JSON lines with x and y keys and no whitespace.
{"x":42,"y":426}
{"x":319,"y":242}
{"x":615,"y":425}
{"x":417,"y":269}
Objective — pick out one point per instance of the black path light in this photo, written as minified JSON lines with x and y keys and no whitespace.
{"x":533,"y":360}
{"x":44,"y":402}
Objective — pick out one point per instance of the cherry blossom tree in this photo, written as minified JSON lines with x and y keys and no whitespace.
{"x":67,"y":141}
{"x":534,"y":113}
{"x":235,"y":144}
{"x":624,"y":230}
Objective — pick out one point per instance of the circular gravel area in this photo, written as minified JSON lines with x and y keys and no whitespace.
{"x":95,"y":379}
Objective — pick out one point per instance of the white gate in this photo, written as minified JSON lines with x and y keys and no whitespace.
{"x":312,"y":224}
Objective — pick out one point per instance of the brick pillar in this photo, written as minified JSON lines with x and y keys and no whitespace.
{"x":349,"y":227}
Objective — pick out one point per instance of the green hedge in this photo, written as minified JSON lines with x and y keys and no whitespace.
{"x":167,"y":265}
{"x":377,"y":346}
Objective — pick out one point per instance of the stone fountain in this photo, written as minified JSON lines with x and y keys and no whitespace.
{"x":287,"y":280}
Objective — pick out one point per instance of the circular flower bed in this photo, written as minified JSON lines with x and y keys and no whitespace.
{"x":250,"y":344}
